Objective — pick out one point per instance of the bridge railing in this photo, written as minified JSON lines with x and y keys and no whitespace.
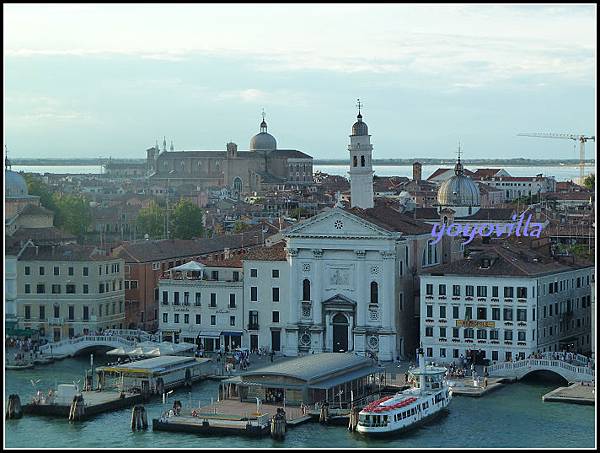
{"x":101,"y":339}
{"x":545,"y":363}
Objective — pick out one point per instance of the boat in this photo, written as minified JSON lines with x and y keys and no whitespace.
{"x":25,"y":366}
{"x":428,"y":397}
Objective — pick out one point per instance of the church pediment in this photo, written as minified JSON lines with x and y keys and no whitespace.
{"x":337,"y":223}
{"x":339,"y":301}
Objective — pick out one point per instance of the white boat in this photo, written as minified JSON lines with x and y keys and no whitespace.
{"x":428,"y":397}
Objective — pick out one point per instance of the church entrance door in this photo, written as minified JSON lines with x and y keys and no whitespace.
{"x":340,"y":333}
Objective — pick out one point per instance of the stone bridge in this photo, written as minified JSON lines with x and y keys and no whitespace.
{"x":571,"y":372}
{"x":74,"y":345}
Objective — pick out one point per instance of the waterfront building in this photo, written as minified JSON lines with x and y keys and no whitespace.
{"x":334,"y":378}
{"x":69,"y":290}
{"x":514,"y":187}
{"x":202,"y":303}
{"x":261,"y":168}
{"x":147,"y":261}
{"x":506,"y":301}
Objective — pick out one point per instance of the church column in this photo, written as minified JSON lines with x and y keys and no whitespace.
{"x":388,"y":290}
{"x":363,"y":284}
{"x":317,"y":288}
{"x":294,"y":295}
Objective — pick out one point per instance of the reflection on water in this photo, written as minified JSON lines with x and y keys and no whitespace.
{"x":513,"y":416}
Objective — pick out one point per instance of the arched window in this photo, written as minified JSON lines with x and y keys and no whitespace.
{"x":355,"y":161}
{"x":374,"y":292}
{"x":306,"y":289}
{"x":237,"y":184}
{"x":362,"y":161}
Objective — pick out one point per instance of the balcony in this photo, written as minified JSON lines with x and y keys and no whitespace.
{"x":442,"y":297}
{"x":455,"y":298}
{"x":508,"y":300}
{"x":508,"y":323}
{"x":521,"y":343}
{"x":56,"y":321}
{"x":507,"y":342}
{"x":522,"y":300}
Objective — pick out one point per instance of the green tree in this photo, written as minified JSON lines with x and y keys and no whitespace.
{"x":590,"y":181}
{"x":298,"y":213}
{"x":73,"y":213}
{"x":240,"y":226}
{"x":36,"y":187}
{"x":186,"y":220}
{"x":151,"y":221}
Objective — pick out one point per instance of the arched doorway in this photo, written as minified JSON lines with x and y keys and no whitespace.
{"x":340,"y":333}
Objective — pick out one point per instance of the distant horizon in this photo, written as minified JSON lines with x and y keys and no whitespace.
{"x":123,"y":76}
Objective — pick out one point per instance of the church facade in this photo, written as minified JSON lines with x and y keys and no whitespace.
{"x":259,"y":169}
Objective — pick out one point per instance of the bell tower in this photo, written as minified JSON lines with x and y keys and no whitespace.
{"x":361,"y":168}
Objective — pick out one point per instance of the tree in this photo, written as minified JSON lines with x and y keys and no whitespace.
{"x":297,"y":213}
{"x":589,"y":181}
{"x":151,"y":221}
{"x":36,"y":187}
{"x":240,"y":226}
{"x":186,"y":220}
{"x":73,"y":214}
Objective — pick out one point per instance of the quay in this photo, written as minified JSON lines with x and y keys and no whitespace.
{"x":575,"y":394}
{"x":466,"y":387}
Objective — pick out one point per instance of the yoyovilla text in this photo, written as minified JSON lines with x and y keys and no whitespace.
{"x":522,"y":227}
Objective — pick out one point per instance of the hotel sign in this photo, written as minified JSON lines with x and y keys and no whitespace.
{"x":470,"y":323}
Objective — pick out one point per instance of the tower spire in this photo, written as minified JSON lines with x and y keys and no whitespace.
{"x":164,"y":143}
{"x":172,"y":147}
{"x":359,"y":105}
{"x":458,"y":168}
{"x":263,"y":124}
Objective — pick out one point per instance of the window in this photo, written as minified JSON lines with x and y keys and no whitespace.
{"x":429,"y":311}
{"x":232,"y":320}
{"x":55,"y":289}
{"x":155,"y":266}
{"x":253,"y":272}
{"x":198,"y":319}
{"x":232,"y":301}
{"x":70,"y":289}
{"x":253,"y":294}
{"x":71,"y":270}
{"x":275,"y":316}
{"x":469,"y":291}
{"x":429,"y":354}
{"x":468,"y":312}
{"x":41,"y":288}
{"x":455,"y":353}
{"x":430,"y":254}
{"x":495,"y":294}
{"x":176,"y":298}
{"x":494,"y":355}
{"x":166,"y":317}
{"x":521,"y":335}
{"x":42,"y":270}
{"x":456,"y":290}
{"x":275,"y":273}
{"x":72,"y":312}
{"x":176,"y":316}
{"x":186,"y":298}
{"x":521,"y":314}
{"x":27,"y":288}
{"x":493,"y":334}
{"x":508,"y":314}
{"x":455,"y":332}
{"x":495,"y":314}
{"x":213,"y":300}
{"x":186,"y":318}
{"x":275,"y":294}
{"x":236,"y":276}
{"x":429,"y":331}
{"x":374,"y":292}
{"x":469,"y":333}
{"x":306,"y":289}
{"x":455,"y":314}
{"x":442,"y":312}
{"x":442,"y":332}
{"x":442,"y":290}
{"x":86,"y":289}
{"x":508,"y":335}
{"x":27,"y":312}
{"x":214,"y":275}
{"x":481,"y":313}
{"x":443,"y":352}
{"x":482,"y":291}
{"x":133,"y":284}
{"x":86,"y":313}
{"x":42,"y":312}
{"x":213,"y":320}
{"x":56,"y":270}
{"x":481,"y":334}
{"x":429,"y":289}
{"x":197,"y":302}
{"x":508,"y":292}
{"x":27,"y":270}
{"x":521,"y":292}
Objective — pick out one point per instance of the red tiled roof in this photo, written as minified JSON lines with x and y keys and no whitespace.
{"x":274,"y":253}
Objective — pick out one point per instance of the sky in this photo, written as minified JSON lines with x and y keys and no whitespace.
{"x":91,"y":80}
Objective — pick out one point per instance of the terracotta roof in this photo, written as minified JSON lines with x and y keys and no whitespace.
{"x":231,"y":262}
{"x":584,"y":196}
{"x":42,"y":234}
{"x":391,"y":220}
{"x":274,"y":253}
{"x":485,"y":172}
{"x":289,"y":153}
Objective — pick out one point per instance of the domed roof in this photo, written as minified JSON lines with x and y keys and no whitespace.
{"x":360,"y":127}
{"x":459,"y":190}
{"x":263,"y":141}
{"x":15,"y":184}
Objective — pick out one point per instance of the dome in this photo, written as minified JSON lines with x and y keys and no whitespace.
{"x":15,"y":184}
{"x":360,"y":128}
{"x":263,"y":141}
{"x":459,"y":190}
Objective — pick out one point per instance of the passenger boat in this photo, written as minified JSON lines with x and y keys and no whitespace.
{"x":428,"y":397}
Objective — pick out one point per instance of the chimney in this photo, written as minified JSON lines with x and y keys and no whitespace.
{"x":417,"y":170}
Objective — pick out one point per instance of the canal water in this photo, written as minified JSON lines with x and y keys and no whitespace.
{"x":513,"y":416}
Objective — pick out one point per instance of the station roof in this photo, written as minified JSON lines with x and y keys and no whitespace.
{"x":153,"y":365}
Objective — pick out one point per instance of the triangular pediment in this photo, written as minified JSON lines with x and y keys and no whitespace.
{"x":337,"y":222}
{"x":339,"y":300}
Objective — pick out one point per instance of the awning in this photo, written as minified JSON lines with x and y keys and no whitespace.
{"x":210,"y":334}
{"x":232,"y":333}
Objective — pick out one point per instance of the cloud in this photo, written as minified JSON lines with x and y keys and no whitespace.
{"x":25,"y":111}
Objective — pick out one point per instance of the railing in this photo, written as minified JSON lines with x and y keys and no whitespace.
{"x":98,"y":339}
{"x":546,"y":363}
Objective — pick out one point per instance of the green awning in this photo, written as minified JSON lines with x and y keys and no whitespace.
{"x":21,"y":332}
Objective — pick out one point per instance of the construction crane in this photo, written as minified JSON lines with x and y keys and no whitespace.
{"x":580,"y":138}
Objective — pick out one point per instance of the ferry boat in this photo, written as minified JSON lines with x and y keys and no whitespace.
{"x":428,"y":397}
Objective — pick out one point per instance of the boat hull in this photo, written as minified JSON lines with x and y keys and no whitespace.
{"x":407,"y":428}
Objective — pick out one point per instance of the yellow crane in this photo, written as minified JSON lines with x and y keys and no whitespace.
{"x":580,"y":138}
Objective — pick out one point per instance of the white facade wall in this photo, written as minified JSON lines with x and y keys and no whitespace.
{"x":10,"y":288}
{"x":515,"y":189}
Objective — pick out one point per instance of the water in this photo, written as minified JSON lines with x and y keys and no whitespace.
{"x":561,"y":173}
{"x":513,"y":416}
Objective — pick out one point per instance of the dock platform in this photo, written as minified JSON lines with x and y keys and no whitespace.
{"x":465,"y":387}
{"x":574,"y":394}
{"x":95,"y":403}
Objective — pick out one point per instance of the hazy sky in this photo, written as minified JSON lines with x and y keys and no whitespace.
{"x":109,"y":80}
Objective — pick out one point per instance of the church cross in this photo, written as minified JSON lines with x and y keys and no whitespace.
{"x":359,"y":105}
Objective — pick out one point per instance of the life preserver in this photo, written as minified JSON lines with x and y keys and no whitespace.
{"x":194,"y":413}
